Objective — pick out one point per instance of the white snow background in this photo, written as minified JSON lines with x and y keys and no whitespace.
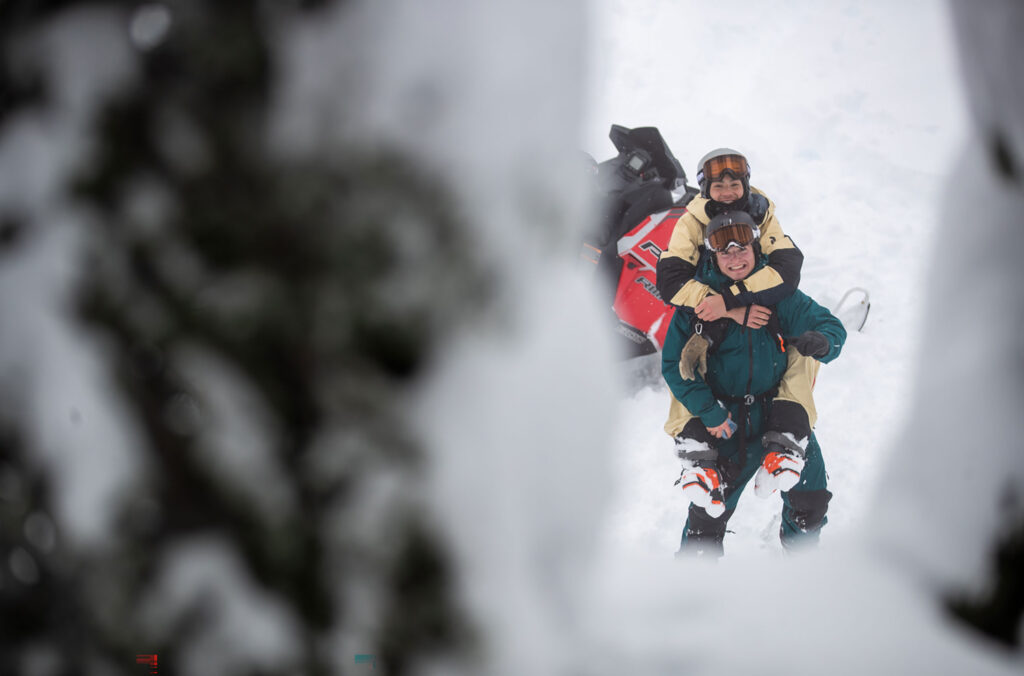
{"x":852,"y":115}
{"x":551,"y":475}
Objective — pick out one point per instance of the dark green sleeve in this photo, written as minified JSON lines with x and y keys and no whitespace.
{"x":695,"y":395}
{"x":799,"y":313}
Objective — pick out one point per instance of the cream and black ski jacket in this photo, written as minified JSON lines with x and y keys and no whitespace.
{"x":678,"y":265}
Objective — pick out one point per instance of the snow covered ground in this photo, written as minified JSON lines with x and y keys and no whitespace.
{"x":851,"y":114}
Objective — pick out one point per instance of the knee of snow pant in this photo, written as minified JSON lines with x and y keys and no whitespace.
{"x":803,"y":515}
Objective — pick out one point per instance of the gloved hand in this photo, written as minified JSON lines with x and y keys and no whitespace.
{"x":700,"y":479}
{"x":811,"y":344}
{"x":782,"y":464}
{"x":694,"y":357}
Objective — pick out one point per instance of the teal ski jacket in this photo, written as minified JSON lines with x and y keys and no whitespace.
{"x":746,"y":361}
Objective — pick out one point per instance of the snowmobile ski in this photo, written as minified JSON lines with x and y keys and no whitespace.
{"x":854,"y":315}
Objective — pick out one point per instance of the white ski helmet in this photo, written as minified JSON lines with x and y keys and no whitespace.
{"x":722,"y":161}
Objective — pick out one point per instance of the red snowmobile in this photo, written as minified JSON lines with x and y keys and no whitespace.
{"x":643,"y":193}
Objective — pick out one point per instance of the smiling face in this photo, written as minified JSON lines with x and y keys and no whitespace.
{"x":726,"y":190}
{"x":736,"y":262}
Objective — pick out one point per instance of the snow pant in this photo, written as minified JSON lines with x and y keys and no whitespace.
{"x":797,"y":386}
{"x":803,"y":508}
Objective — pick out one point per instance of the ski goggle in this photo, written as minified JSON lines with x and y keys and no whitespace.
{"x":715,"y":168}
{"x":734,"y":234}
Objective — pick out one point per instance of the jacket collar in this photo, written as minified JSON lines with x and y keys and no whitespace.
{"x":697,"y":207}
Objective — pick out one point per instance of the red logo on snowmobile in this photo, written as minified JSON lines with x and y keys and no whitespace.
{"x":637,"y":302}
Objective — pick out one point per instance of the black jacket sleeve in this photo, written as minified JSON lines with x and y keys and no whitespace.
{"x":672,"y":273}
{"x":787,"y":262}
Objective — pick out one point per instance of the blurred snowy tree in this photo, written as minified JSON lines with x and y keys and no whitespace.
{"x":264,"y":319}
{"x":991,"y":55}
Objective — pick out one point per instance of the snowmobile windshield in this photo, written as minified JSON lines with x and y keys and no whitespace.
{"x":717,"y":167}
{"x":734,"y":234}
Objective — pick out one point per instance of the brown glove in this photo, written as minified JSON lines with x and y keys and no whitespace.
{"x":694,"y":357}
